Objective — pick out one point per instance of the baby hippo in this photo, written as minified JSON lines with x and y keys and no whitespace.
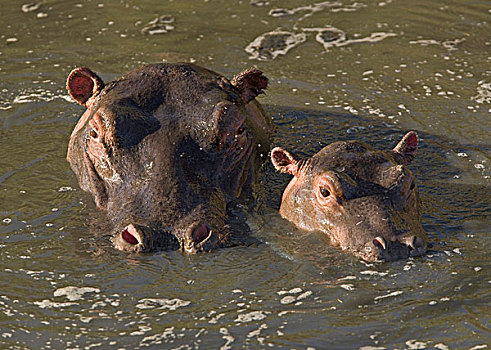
{"x":365,"y":200}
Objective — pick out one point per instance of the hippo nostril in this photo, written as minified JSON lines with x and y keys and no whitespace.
{"x":129,"y":237}
{"x":379,"y":242}
{"x":417,"y":246}
{"x":201,"y":233}
{"x":419,"y":243}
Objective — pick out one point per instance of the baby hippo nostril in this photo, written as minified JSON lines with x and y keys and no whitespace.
{"x":417,"y":246}
{"x":379,"y":242}
{"x":128,"y":236}
{"x":201,"y":233}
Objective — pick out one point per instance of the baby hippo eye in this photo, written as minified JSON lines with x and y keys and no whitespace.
{"x":413,"y":185}
{"x":324,"y":192}
{"x":93,"y":133}
{"x":241,"y":130}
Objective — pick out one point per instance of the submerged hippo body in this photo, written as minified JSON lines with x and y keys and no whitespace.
{"x":165,"y":148}
{"x":365,"y":200}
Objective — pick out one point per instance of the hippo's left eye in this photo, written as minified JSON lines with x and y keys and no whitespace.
{"x":93,"y":133}
{"x":324,"y":192}
{"x":412,"y":186}
{"x":241,"y":130}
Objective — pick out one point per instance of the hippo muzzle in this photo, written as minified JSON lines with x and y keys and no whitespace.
{"x":140,"y":239}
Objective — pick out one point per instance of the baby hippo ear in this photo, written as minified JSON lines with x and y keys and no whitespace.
{"x":250,"y":83}
{"x":284,"y":161}
{"x":82,"y":84}
{"x":407,"y":147}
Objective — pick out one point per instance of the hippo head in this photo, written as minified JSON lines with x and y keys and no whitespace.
{"x":165,"y":148}
{"x":365,"y":200}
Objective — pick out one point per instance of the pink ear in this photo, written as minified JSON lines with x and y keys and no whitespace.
{"x":250,"y":83}
{"x":284,"y":161}
{"x":82,"y":84}
{"x":408,"y":146}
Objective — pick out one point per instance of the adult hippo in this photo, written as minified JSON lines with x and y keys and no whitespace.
{"x":165,"y":148}
{"x":365,"y":200}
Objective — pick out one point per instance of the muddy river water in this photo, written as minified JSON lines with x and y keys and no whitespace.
{"x":368,"y":70}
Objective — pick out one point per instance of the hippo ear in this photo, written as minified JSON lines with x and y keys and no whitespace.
{"x":407,"y":147}
{"x":250,"y":83}
{"x":82,"y":84}
{"x":284,"y":161}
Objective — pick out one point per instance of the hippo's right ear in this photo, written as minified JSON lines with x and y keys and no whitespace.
{"x":82,"y":84}
{"x":250,"y":83}
{"x":407,"y":147}
{"x":284,"y":161}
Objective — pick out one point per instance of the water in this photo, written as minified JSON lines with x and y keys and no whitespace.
{"x":367,"y":70}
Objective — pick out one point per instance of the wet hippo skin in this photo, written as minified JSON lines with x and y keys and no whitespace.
{"x":365,"y":200}
{"x":165,"y":148}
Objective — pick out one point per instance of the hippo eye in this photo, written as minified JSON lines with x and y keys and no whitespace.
{"x":93,"y":133}
{"x":240,"y":130}
{"x":324,"y":192}
{"x":413,"y":185}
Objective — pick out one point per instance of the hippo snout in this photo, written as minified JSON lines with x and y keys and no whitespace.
{"x":135,"y":238}
{"x":388,"y":250}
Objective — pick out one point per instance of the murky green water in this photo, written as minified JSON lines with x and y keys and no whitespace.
{"x":367,"y":70}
